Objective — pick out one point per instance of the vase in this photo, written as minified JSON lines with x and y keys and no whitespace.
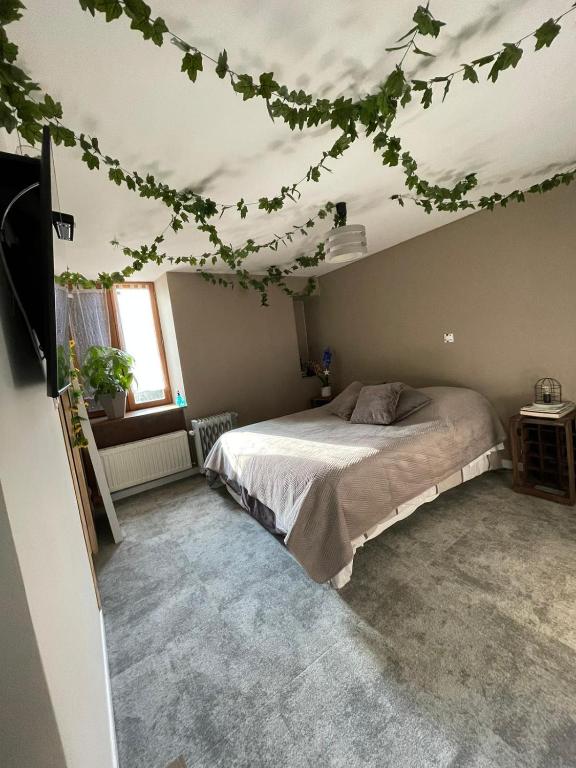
{"x":114,"y":405}
{"x":326,"y":391}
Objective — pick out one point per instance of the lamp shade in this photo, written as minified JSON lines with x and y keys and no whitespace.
{"x":346,"y":244}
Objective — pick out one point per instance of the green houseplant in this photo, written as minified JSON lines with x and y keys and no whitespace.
{"x":108,"y":372}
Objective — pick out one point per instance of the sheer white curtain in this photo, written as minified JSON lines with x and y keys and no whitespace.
{"x":89,"y":321}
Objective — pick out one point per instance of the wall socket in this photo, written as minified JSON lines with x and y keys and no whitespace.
{"x":448,"y":338}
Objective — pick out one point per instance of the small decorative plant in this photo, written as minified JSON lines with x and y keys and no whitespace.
{"x":108,"y":372}
{"x":322,"y":371}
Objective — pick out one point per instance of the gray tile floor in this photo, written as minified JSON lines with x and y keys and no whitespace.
{"x":454,"y":644}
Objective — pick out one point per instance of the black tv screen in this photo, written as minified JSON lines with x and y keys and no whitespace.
{"x":26,"y":255}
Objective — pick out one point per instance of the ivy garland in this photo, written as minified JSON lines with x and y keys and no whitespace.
{"x":21,"y":109}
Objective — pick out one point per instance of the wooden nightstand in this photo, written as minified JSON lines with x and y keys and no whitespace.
{"x":543,"y":457}
{"x":316,"y":402}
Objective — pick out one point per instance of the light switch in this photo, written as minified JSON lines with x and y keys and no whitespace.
{"x":448,"y":338}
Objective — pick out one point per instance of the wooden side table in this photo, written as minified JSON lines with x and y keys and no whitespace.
{"x":543,"y":457}
{"x":316,"y":402}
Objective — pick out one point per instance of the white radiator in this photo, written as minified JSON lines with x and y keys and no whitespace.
{"x":206,"y":431}
{"x":139,"y":462}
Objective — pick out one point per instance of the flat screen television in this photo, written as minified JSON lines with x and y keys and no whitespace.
{"x":27,"y":256}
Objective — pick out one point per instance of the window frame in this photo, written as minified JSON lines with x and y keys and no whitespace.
{"x":117,"y":340}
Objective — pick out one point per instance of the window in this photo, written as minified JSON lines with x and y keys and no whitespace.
{"x":135,"y":328}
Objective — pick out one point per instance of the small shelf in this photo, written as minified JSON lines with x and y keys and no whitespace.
{"x":543,"y":457}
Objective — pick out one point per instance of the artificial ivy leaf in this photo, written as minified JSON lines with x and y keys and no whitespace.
{"x":483,"y":60}
{"x":509,"y":56}
{"x":427,"y":98}
{"x":426,"y":23}
{"x":7,"y":119}
{"x":138,"y":11}
{"x":245,"y":85}
{"x":192,"y":64}
{"x":111,"y":8}
{"x":51,"y":109}
{"x":419,"y":51}
{"x":87,"y":5}
{"x":546,"y":34}
{"x":446,"y":88}
{"x":222,"y":66}
{"x":419,"y":85}
{"x":395,"y":81}
{"x":242,"y":208}
{"x":91,"y":160}
{"x":8,"y":50}
{"x":470,"y":73}
{"x":62,"y":135}
{"x":406,"y":96}
{"x":267,"y":84}
{"x":116,"y":175}
{"x":392,"y":154}
{"x":397,"y":47}
{"x":158,"y":30}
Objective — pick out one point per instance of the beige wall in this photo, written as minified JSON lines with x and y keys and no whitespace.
{"x":51,"y":647}
{"x":503,"y":282}
{"x":235,"y":354}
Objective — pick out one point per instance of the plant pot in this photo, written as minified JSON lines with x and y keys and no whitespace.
{"x":326,"y":391}
{"x":114,"y":405}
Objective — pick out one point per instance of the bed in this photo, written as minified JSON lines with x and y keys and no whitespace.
{"x":325,"y":486}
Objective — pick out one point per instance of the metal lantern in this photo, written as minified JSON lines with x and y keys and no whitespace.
{"x":547,"y":391}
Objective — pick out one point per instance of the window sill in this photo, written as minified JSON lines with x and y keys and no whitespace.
{"x":156,"y":409}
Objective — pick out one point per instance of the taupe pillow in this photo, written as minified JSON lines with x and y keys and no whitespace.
{"x":410,"y":401}
{"x":377,"y":404}
{"x":344,"y":403}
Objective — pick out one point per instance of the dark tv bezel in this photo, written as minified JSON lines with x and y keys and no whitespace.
{"x":47,"y":262}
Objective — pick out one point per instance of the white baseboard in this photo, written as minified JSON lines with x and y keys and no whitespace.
{"x":125,"y":492}
{"x":113,"y":744}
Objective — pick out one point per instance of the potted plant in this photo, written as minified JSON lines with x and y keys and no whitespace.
{"x":322,"y":371}
{"x":108,"y":372}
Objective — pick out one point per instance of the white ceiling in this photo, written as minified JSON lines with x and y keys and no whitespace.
{"x":131,"y":95}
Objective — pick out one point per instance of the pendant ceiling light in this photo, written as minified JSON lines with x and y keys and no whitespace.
{"x":346,"y":242}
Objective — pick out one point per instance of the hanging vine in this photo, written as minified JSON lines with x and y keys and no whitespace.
{"x":23,"y":107}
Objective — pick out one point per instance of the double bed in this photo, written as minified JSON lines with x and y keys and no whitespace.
{"x":325,"y":485}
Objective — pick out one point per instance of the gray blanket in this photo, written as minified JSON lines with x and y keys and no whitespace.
{"x":328,"y":481}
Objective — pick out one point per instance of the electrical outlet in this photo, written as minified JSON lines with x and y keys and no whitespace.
{"x":448,"y":338}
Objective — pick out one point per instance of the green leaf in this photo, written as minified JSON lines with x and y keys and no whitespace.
{"x":509,"y":56}
{"x":427,"y":98}
{"x":111,"y":8}
{"x":422,"y":53}
{"x":242,"y":208}
{"x":398,"y":47}
{"x":90,"y":160}
{"x":88,"y":5}
{"x":267,"y":85}
{"x":484,"y":60}
{"x":426,"y":23}
{"x":62,"y":135}
{"x":546,"y":34}
{"x":245,"y":85}
{"x":470,"y":73}
{"x":222,"y":66}
{"x":116,"y":175}
{"x":159,"y":29}
{"x":7,"y":119}
{"x":419,"y":85}
{"x":395,"y":81}
{"x":192,"y":64}
{"x":11,"y":10}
